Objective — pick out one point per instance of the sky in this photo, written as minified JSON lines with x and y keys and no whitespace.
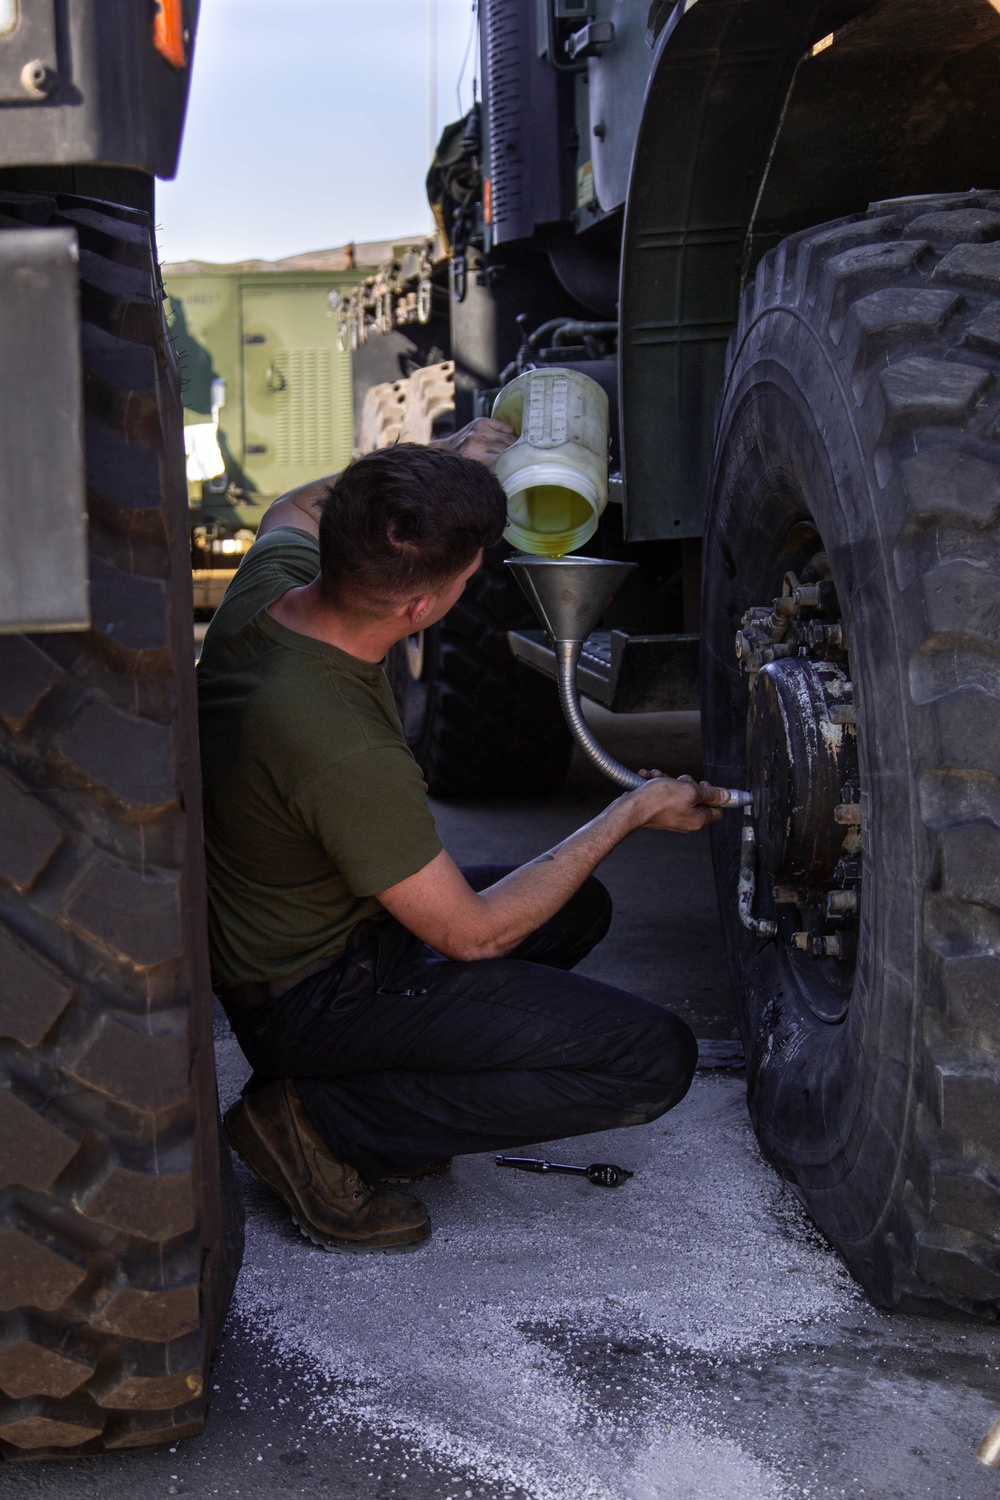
{"x":309,"y":125}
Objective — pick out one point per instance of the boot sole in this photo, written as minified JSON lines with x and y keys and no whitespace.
{"x":252,"y":1151}
{"x":395,"y":1246}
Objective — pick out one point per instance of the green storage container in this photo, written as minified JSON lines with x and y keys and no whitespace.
{"x":267,"y":389}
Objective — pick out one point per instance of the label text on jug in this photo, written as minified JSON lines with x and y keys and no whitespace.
{"x":547,"y":424}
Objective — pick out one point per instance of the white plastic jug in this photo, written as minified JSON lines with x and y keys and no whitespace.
{"x":556,"y":473}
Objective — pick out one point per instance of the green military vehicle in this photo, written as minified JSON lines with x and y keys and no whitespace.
{"x":120,"y":1224}
{"x":675,"y":159}
{"x":761,"y":226}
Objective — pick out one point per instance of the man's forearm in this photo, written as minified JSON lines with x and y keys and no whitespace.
{"x":437,"y":905}
{"x":517,"y":905}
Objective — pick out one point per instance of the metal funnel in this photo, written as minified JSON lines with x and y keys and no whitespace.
{"x":569,"y":594}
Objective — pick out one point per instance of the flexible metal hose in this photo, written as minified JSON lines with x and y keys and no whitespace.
{"x":567,"y":656}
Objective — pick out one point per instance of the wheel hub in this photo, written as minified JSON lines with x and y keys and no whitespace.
{"x":802,"y":761}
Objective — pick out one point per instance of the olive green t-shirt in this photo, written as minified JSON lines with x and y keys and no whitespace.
{"x":313,"y":801}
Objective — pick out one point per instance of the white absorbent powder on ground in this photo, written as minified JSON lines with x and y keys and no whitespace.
{"x":544,"y":1338}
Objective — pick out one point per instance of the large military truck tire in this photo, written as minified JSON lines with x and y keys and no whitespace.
{"x":120,"y":1229}
{"x":857,"y":475}
{"x":479,"y":723}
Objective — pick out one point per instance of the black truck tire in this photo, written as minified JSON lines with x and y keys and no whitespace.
{"x":478,"y":722}
{"x":859,"y":419}
{"x":120,"y":1227}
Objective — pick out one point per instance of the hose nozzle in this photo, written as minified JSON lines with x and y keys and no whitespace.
{"x":738,"y":799}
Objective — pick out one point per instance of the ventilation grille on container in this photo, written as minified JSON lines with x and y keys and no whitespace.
{"x":306,"y":421}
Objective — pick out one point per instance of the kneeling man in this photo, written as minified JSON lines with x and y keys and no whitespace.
{"x":395,"y":1009}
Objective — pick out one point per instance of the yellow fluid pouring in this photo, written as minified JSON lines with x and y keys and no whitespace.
{"x":556,"y":474}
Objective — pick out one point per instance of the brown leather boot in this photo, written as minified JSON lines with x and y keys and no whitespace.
{"x":273,"y":1135}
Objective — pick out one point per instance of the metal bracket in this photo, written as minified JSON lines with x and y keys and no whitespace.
{"x":43,"y":506}
{"x":591,"y":40}
{"x":625,"y":673}
{"x":28,"y":53}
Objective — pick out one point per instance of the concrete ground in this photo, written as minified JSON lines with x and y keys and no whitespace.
{"x":687,"y":1336}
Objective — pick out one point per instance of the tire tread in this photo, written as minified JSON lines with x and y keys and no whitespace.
{"x":910,"y":296}
{"x":114,"y":1239}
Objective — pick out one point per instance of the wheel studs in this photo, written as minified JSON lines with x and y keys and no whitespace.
{"x":841,"y":903}
{"x":820,"y":947}
{"x":824,"y":637}
{"x":802,"y":720}
{"x":768,"y":634}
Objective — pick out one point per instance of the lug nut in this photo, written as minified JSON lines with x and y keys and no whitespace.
{"x":848,"y":813}
{"x":843,"y":713}
{"x":807,"y":596}
{"x":787,"y":895}
{"x":819,"y":947}
{"x":821,"y":595}
{"x":818,"y":635}
{"x":841,"y":903}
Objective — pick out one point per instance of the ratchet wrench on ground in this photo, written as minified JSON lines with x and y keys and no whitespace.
{"x":601,"y":1173}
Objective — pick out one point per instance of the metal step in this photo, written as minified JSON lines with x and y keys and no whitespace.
{"x":629,"y":674}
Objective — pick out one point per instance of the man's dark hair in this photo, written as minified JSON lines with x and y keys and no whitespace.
{"x":404,"y":521}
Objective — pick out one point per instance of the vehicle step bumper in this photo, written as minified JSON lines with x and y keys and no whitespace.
{"x":629,"y":674}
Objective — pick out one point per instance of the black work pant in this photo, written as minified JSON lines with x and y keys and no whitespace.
{"x":402,"y":1057}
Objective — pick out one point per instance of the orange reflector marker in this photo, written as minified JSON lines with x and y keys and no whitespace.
{"x":487,"y":200}
{"x":168,"y":32}
{"x":822,"y":46}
